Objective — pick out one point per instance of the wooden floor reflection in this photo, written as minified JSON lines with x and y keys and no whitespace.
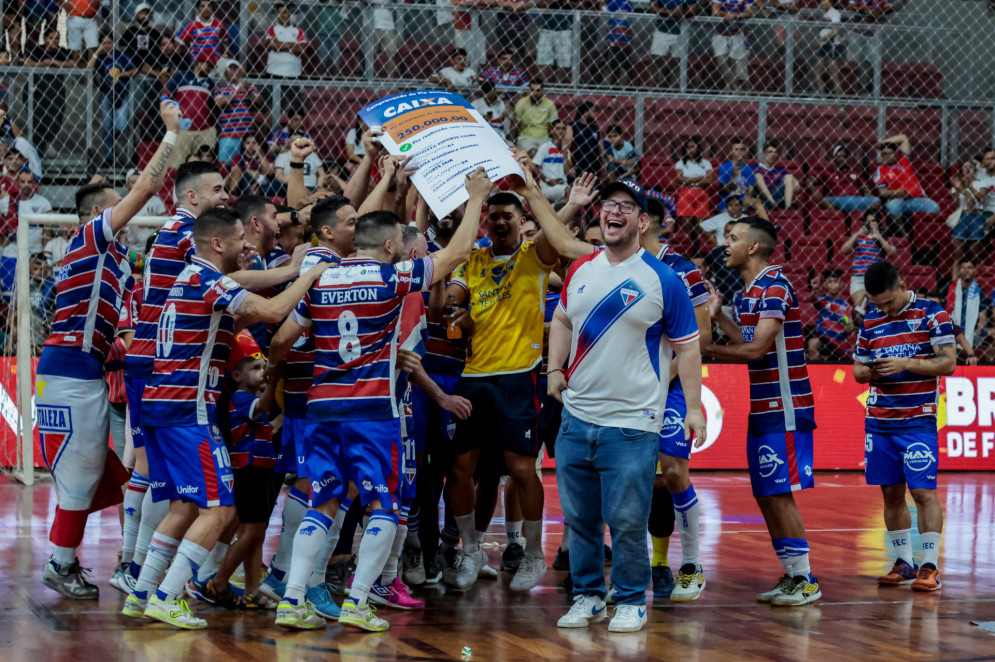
{"x":855,"y":619}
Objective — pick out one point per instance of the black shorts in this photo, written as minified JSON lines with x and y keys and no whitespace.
{"x":505,"y":413}
{"x":256,"y":491}
{"x":832,"y":51}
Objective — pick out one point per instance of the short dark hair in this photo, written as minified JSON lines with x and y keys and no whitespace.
{"x":765,"y":233}
{"x":248,"y":206}
{"x":507,"y":51}
{"x":776,"y":144}
{"x":191,"y":170}
{"x":736,"y":140}
{"x":212,"y":223}
{"x":536,"y":81}
{"x":326,"y":212}
{"x":487,"y":87}
{"x":374,"y":228}
{"x":892,"y":146}
{"x":457,"y":51}
{"x":963,"y":260}
{"x":614,"y":128}
{"x":409,"y":233}
{"x":50,"y":31}
{"x":832,"y":273}
{"x":505,"y":198}
{"x":881,"y":277}
{"x":89,"y":195}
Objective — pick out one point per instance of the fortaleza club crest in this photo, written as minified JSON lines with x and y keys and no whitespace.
{"x":229,"y":482}
{"x":628,"y":295}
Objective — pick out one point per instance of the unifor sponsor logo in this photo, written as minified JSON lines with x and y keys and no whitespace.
{"x":158,"y":484}
{"x":919,"y":457}
{"x":187,"y":489}
{"x":768,"y":460}
{"x":317,"y":485}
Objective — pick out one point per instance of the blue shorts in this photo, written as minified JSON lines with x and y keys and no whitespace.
{"x":134,"y":387}
{"x":672,"y":441}
{"x":893,"y":459}
{"x":363,"y":452}
{"x":432,"y":424}
{"x":780,"y":462}
{"x":293,"y":447}
{"x":190,"y":464}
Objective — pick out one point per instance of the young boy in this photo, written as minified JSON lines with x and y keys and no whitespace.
{"x":831,"y":342}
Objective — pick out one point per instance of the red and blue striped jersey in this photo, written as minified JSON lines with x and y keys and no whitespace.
{"x":865,"y":253}
{"x":196,"y":332}
{"x":831,"y":313}
{"x":734,"y":7}
{"x":276,"y":258}
{"x":172,"y":249}
{"x":905,"y":401}
{"x":692,"y":279}
{"x":354,"y":311}
{"x":773,"y":177}
{"x":235,"y":120}
{"x":251,"y":433}
{"x":89,"y":293}
{"x":780,"y":393}
{"x":669,"y":202}
{"x":204,"y":41}
{"x":298,"y":369}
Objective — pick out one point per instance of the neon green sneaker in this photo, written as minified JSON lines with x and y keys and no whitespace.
{"x":364,"y":618}
{"x":174,"y":612}
{"x":301,"y":616}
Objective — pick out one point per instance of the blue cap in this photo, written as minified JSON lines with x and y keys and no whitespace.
{"x":629,"y":187}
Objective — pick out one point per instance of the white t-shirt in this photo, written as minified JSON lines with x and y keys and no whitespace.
{"x":459,"y":79}
{"x":717,"y":225}
{"x":311,"y":165}
{"x":55,"y":250}
{"x":694,"y":169}
{"x":38,"y":204}
{"x":625,"y":318}
{"x":358,"y":148}
{"x":136,"y":236}
{"x":496,"y":110}
{"x":383,"y":17}
{"x":549,"y":158}
{"x":28,"y":151}
{"x":985,"y":181}
{"x":284,"y":63}
{"x":835,"y":20}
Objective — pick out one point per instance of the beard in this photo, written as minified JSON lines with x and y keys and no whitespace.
{"x":629,"y":236}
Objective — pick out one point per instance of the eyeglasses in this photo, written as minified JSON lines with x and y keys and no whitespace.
{"x":623,"y":207}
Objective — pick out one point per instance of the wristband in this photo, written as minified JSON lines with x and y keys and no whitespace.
{"x":548,"y":372}
{"x":296,"y":166}
{"x":169,"y":138}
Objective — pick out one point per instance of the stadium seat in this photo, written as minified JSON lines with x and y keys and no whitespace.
{"x":826,"y":223}
{"x":920,"y":276}
{"x":790,"y":223}
{"x":657,"y":173}
{"x":682,"y":243}
{"x":809,"y":253}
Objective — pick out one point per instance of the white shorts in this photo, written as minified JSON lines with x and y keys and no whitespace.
{"x":734,"y":46}
{"x":856,"y":284}
{"x":79,"y":30}
{"x":558,"y":43}
{"x":74,"y":421}
{"x":665,"y":43}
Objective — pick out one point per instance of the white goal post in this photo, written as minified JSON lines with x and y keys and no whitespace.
{"x":16,"y":414}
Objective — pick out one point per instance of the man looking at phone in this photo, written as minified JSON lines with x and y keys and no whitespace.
{"x":904,"y":345}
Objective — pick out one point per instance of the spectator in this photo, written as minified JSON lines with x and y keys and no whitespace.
{"x":314,"y":171}
{"x":204,"y":37}
{"x":355,"y":150}
{"x":286,"y":43}
{"x":30,"y":201}
{"x":38,"y":14}
{"x":533,"y":113}
{"x":831,"y":341}
{"x":984,"y":185}
{"x":617,"y":66}
{"x":593,"y":235}
{"x":235,"y":100}
{"x":736,"y":178}
{"x":841,"y":187}
{"x":279,"y":138}
{"x":457,"y":77}
{"x":9,"y":130}
{"x":192,"y":90}
{"x":324,"y":19}
{"x":55,"y":248}
{"x":513,"y":25}
{"x":81,"y":27}
{"x":11,"y":35}
{"x":695,"y":175}
{"x":664,"y":207}
{"x":867,"y":246}
{"x":113,"y":69}
{"x":140,"y":42}
{"x":588,"y":151}
{"x":727,"y":281}
{"x":29,"y":154}
{"x":829,"y":49}
{"x":865,"y":40}
{"x":966,"y":355}
{"x":666,"y":47}
{"x":555,"y":45}
{"x":620,"y":155}
{"x":49,"y":90}
{"x":529,"y":230}
{"x":167,"y":59}
{"x":968,"y":304}
{"x":491,"y":106}
{"x":776,"y":185}
{"x":12,"y":162}
{"x":729,"y":41}
{"x":782,"y":12}
{"x":554,"y":164}
{"x":41,"y":294}
{"x":467,"y":34}
{"x":250,"y":169}
{"x":967,"y":222}
{"x":713,"y":228}
{"x":385,"y":35}
{"x":505,"y":75}
{"x":137,"y":236}
{"x":897,"y":182}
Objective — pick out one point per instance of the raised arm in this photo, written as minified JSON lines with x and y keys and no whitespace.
{"x":297,"y":193}
{"x":458,"y":250}
{"x":582,"y":193}
{"x":359,"y":183}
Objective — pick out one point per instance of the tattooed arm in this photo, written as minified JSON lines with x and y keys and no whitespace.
{"x":943,"y":363}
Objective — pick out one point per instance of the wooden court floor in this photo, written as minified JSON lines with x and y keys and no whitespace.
{"x":854,"y":621}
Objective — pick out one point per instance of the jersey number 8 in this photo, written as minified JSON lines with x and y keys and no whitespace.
{"x":167,"y":326}
{"x":349,"y":346}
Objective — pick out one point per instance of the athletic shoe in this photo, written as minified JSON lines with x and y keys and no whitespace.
{"x":301,"y":616}
{"x":690,"y":583}
{"x":414,"y":565}
{"x":122,"y":579}
{"x":379,"y":594}
{"x":628,"y":618}
{"x":207,"y":592}
{"x":174,"y":612}
{"x":257,"y":602}
{"x":451,"y":559}
{"x":587,"y":609}
{"x":511,"y":557}
{"x":364,"y":618}
{"x":320,"y":598}
{"x":134,"y":606}
{"x":469,"y":569}
{"x":928,"y":578}
{"x":487,"y":572}
{"x":433,"y":573}
{"x":531,"y":570}
{"x":663,"y":581}
{"x":782,"y":585}
{"x":901,"y":573}
{"x":400,"y":598}
{"x":562,"y":560}
{"x":802,"y":591}
{"x":72,"y":584}
{"x":273,"y":588}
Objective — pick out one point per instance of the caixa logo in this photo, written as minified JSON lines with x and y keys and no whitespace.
{"x":768,"y":460}
{"x":919,"y":457}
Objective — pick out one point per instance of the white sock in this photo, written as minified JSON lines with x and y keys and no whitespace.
{"x":133,"y":498}
{"x":374,"y":548}
{"x":930,"y":547}
{"x":533,"y":536}
{"x":307,"y":546}
{"x":481,"y":535}
{"x":189,"y":557}
{"x":514,"y":532}
{"x":389,"y":573}
{"x":468,"y":532}
{"x":161,"y":550}
{"x":901,"y":544}
{"x":686,"y":516}
{"x":63,"y":556}
{"x":153,"y":512}
{"x":294,"y":509}
{"x":331,"y":540}
{"x":213,"y":562}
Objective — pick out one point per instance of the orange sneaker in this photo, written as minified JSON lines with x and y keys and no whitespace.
{"x":928,"y":579}
{"x":901,"y":573}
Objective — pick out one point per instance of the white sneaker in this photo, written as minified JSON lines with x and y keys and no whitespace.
{"x":122,"y":579}
{"x":783,"y":584}
{"x":586,"y":609}
{"x":364,"y":618}
{"x":531,"y":570}
{"x":689,"y":584}
{"x":173,"y":612}
{"x":801,"y":592}
{"x":469,"y":569}
{"x":487,"y":572}
{"x":628,"y":618}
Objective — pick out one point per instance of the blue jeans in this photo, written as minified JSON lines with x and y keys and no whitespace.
{"x":113,"y":120}
{"x":898,"y":206}
{"x":606,"y":475}
{"x":852,"y":202}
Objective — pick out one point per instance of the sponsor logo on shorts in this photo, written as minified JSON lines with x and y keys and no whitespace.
{"x":187,"y":489}
{"x":768,"y":461}
{"x":673,"y":422}
{"x":157,"y":484}
{"x":54,"y":419}
{"x":317,"y":485}
{"x":919,"y":457}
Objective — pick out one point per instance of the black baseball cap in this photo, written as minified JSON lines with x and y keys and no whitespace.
{"x":629,"y":187}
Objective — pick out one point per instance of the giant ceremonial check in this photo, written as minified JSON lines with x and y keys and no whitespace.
{"x":448,"y":139}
